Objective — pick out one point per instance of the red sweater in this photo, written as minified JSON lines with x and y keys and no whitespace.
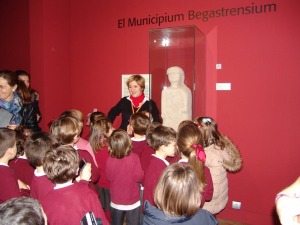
{"x":9,"y":187}
{"x":69,"y":204}
{"x":138,"y":146}
{"x":22,"y":168}
{"x":146,"y":157}
{"x":40,"y":186}
{"x":101,"y":158}
{"x":152,"y":175}
{"x":124,"y":175}
{"x":87,"y":156}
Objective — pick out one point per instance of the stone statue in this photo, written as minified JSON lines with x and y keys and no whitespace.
{"x":176,"y":100}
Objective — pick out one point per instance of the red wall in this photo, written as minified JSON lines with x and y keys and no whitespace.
{"x":14,"y":38}
{"x":78,"y":53}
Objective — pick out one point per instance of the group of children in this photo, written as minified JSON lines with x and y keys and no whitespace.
{"x":149,"y":174}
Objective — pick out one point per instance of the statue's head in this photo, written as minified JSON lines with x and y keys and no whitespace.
{"x":175,"y":74}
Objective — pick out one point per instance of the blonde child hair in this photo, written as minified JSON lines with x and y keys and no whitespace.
{"x":177,"y":192}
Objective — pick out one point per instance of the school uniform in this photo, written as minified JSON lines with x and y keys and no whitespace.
{"x":138,"y":145}
{"x":40,"y":185}
{"x":146,"y":157}
{"x":69,"y":204}
{"x":88,"y":158}
{"x":103,"y":184}
{"x":125,"y":175}
{"x":152,"y":175}
{"x":85,"y":145}
{"x":22,"y":168}
{"x":9,"y":187}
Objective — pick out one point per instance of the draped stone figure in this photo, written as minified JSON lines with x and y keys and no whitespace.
{"x":176,"y":100}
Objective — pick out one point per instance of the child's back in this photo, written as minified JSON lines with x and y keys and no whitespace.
{"x":177,"y":199}
{"x":138,"y":125}
{"x":162,"y":140}
{"x":35,"y":148}
{"x":221,"y":156}
{"x":9,"y":187}
{"x":68,"y":202}
{"x":124,"y":171}
{"x":20,"y":165}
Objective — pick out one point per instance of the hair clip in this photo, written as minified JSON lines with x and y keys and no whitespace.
{"x":206,"y":120}
{"x":200,"y":154}
{"x":101,"y":138}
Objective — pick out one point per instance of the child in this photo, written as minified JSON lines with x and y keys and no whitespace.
{"x":177,"y":198}
{"x":221,"y":155}
{"x":100,"y":132}
{"x":20,"y":165}
{"x":189,"y":142}
{"x":138,"y":125}
{"x":10,"y":186}
{"x":146,"y":155}
{"x":68,"y":129}
{"x":124,"y":171}
{"x":23,"y":210}
{"x":68,"y":202}
{"x":35,"y":148}
{"x":81,"y":143}
{"x":94,"y":116}
{"x":163,"y":141}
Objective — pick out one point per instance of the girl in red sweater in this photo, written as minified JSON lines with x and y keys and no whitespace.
{"x":124,"y":171}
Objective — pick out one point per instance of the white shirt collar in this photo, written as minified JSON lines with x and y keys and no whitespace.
{"x":165,"y":161}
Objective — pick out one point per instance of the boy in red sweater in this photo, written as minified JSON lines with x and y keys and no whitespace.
{"x":68,"y":202}
{"x":68,"y":129}
{"x":10,"y":186}
{"x":36,"y":147}
{"x":163,"y":141}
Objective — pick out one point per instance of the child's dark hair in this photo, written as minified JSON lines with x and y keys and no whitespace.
{"x":7,"y":140}
{"x":119,"y":144}
{"x":150,"y":129}
{"x":37,"y":145}
{"x":139,"y":122}
{"x":61,"y":164}
{"x":21,"y":139}
{"x":209,"y":128}
{"x":96,"y":116}
{"x":160,"y":136}
{"x":189,"y":142}
{"x":99,"y":133}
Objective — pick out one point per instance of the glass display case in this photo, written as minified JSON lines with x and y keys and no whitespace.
{"x":182,"y":46}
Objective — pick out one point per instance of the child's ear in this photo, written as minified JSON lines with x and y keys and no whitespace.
{"x":11,"y":152}
{"x":76,"y":138}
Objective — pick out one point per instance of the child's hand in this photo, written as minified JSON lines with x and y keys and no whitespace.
{"x":86,"y":172}
{"x":22,"y":185}
{"x":12,"y":126}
